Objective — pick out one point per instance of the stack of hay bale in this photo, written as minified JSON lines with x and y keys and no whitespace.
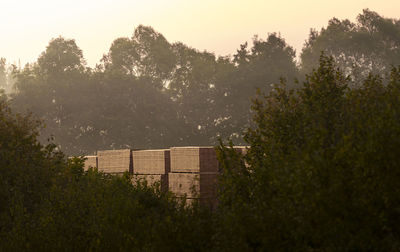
{"x":91,"y":161}
{"x":115,"y":161}
{"x":194,"y":173}
{"x":190,"y":172}
{"x":152,"y":165}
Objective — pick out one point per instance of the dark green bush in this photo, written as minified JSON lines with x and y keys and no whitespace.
{"x":322,"y":169}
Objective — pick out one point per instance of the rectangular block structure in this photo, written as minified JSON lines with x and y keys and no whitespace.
{"x":91,"y":161}
{"x":151,"y":161}
{"x":114,"y":161}
{"x":193,"y":185}
{"x":184,"y":184}
{"x":162,"y":179}
{"x":193,"y":159}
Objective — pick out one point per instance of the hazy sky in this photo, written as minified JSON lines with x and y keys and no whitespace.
{"x":218,"y":26}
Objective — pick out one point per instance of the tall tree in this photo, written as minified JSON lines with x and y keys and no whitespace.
{"x":256,"y":68}
{"x":372,"y":44}
{"x":147,"y":54}
{"x":52,"y":88}
{"x":86,"y":110}
{"x":321,"y":170}
{"x":193,"y":87}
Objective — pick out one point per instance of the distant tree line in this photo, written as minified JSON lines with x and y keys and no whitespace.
{"x":149,"y":93}
{"x":321,"y":174}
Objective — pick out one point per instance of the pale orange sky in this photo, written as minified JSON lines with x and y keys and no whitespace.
{"x":218,"y":26}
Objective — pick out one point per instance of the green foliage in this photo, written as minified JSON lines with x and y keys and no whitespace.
{"x":26,"y":169}
{"x":50,"y":203}
{"x":256,"y":68}
{"x":147,"y":92}
{"x":150,"y":93}
{"x":321,"y":170}
{"x":93,"y":211}
{"x":372,"y":44}
{"x":146,"y":55}
{"x":62,"y":56}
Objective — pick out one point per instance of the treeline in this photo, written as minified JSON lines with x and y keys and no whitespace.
{"x":321,"y":174}
{"x":149,"y":93}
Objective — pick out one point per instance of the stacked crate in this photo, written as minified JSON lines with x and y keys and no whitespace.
{"x":194,"y":172}
{"x":152,"y":165}
{"x":114,"y":161}
{"x":91,"y":161}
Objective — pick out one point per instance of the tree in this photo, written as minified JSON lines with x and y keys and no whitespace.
{"x":26,"y":169}
{"x":54,"y":88}
{"x":3,"y":74}
{"x":48,"y":202}
{"x":146,"y":55}
{"x":372,"y":44}
{"x":147,"y":93}
{"x":321,"y":168}
{"x":256,"y":68}
{"x":62,"y":56}
{"x":193,"y":87}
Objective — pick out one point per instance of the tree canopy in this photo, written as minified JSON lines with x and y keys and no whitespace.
{"x":149,"y":93}
{"x":49,"y":203}
{"x":372,"y":44}
{"x":321,"y":170}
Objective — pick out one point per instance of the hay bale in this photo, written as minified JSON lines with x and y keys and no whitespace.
{"x":151,"y":161}
{"x":193,"y":185}
{"x":208,"y":185}
{"x":114,"y":161}
{"x":182,"y":184}
{"x":162,"y":179}
{"x":193,"y":159}
{"x":91,"y":161}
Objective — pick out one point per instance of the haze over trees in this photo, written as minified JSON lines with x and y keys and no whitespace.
{"x":372,"y":44}
{"x":146,"y":92}
{"x":149,"y":93}
{"x":320,"y":174}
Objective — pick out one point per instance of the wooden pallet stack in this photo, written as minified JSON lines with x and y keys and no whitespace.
{"x":91,"y":161}
{"x":152,"y":165}
{"x":194,"y":173}
{"x":114,"y":161}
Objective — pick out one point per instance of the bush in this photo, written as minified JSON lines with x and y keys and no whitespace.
{"x":322,"y":169}
{"x":48,"y":203}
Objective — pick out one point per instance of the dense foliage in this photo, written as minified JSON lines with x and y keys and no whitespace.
{"x":372,"y":44}
{"x":322,"y":169}
{"x":320,"y":174}
{"x":149,"y":93}
{"x":48,"y":203}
